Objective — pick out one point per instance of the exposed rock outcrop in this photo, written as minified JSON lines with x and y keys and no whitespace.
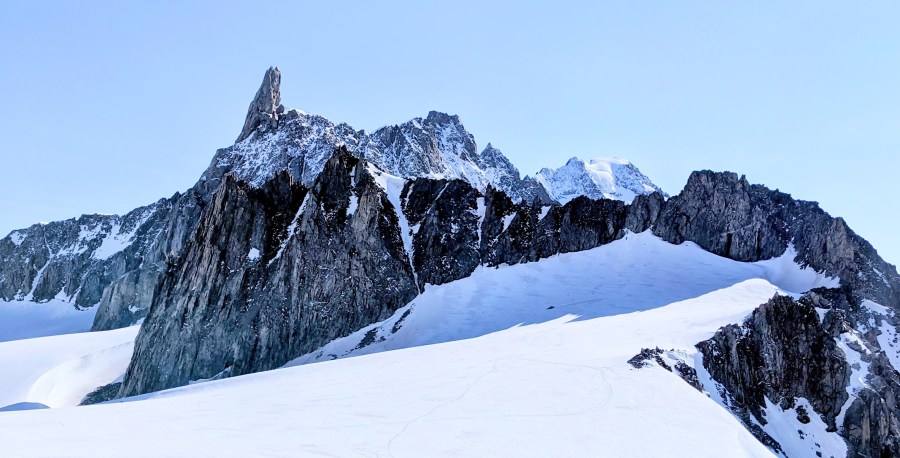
{"x":272,"y":273}
{"x":781,"y":352}
{"x":726,"y":215}
{"x":266,"y":108}
{"x":784,"y":352}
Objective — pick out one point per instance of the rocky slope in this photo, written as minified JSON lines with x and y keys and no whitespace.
{"x":814,"y":357}
{"x":436,"y":146}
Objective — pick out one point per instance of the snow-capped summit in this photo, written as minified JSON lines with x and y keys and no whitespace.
{"x":608,"y":177}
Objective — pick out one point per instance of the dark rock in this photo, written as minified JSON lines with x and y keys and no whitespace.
{"x":781,"y":352}
{"x":445,"y":242}
{"x":726,"y":215}
{"x":102,"y":394}
{"x":325,"y":269}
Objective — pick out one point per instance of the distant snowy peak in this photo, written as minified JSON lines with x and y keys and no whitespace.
{"x":610,"y":178}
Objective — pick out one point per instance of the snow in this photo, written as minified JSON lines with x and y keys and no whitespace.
{"x":557,"y":388}
{"x":798,"y":439}
{"x":393,"y":187}
{"x":354,"y":203}
{"x":253,"y":254}
{"x":608,"y":177}
{"x":637,"y":273}
{"x":524,"y":360}
{"x":859,"y":369}
{"x":25,"y":319}
{"x":888,"y":339}
{"x":292,"y":228}
{"x":544,"y":210}
{"x":507,"y":220}
{"x":59,"y":371}
{"x":116,"y":241}
{"x":17,"y":237}
{"x":784,"y":271}
{"x":480,"y":210}
{"x":37,"y":280}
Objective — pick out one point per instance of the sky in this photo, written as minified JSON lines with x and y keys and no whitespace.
{"x":110,"y":105}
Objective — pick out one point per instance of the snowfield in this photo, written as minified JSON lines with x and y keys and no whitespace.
{"x":525,"y":360}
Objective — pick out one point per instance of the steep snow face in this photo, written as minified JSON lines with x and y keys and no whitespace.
{"x":551,"y":381}
{"x":437,"y":146}
{"x":610,"y":178}
{"x":58,"y":371}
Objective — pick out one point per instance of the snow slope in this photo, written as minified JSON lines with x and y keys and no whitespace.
{"x":553,"y":389}
{"x":639,"y":272}
{"x":543,"y":374}
{"x":59,"y":371}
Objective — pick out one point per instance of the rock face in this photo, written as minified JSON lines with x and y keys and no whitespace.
{"x":273,"y":272}
{"x":436,"y":146}
{"x":266,"y":108}
{"x":75,"y":259}
{"x":784,"y":352}
{"x":769,"y":357}
{"x":726,"y":215}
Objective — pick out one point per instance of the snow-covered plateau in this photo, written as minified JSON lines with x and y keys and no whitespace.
{"x":524,"y":360}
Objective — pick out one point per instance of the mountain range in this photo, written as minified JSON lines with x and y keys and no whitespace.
{"x":308,"y":241}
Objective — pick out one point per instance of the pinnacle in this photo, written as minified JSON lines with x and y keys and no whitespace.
{"x":266,"y":108}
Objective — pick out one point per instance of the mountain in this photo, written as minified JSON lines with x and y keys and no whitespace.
{"x":602,"y":178}
{"x":309,"y":241}
{"x":437,"y":146}
{"x":112,"y":265}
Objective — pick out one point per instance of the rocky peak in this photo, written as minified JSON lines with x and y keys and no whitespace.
{"x":266,"y":108}
{"x":492,"y":155}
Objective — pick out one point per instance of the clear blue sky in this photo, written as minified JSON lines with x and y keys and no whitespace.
{"x":107,"y":106}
